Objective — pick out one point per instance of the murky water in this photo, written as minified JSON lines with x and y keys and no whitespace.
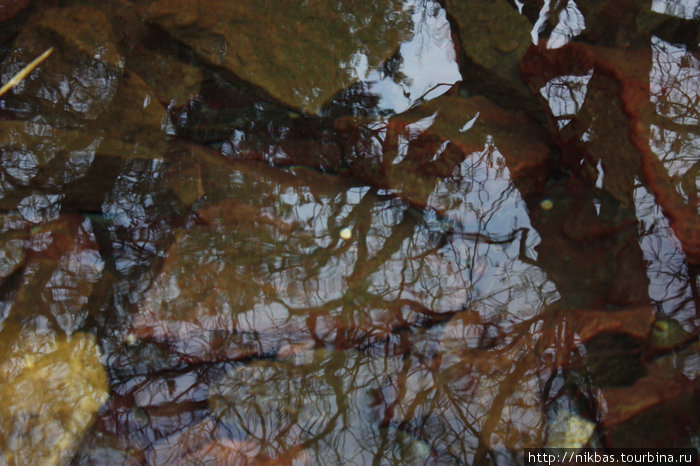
{"x":390,"y":232}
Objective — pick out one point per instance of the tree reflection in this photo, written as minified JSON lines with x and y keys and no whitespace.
{"x":507,"y":270}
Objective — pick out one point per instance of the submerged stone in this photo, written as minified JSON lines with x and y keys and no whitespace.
{"x":569,"y":430}
{"x":50,"y":391}
{"x":494,"y":38}
{"x":299,"y":52}
{"x":62,"y":266}
{"x":9,"y":8}
{"x":174,"y":81}
{"x":657,"y":410}
{"x":78,"y":81}
{"x":82,"y":84}
{"x":74,"y":167}
{"x":668,"y":333}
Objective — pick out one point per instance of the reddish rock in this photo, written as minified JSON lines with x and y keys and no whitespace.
{"x":631,"y":69}
{"x":656,"y":411}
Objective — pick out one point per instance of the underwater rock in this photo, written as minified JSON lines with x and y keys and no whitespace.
{"x":82,"y":84}
{"x":74,"y":167}
{"x":299,"y":52}
{"x":569,"y":430}
{"x":78,"y":81}
{"x":494,"y":39}
{"x":51,"y":390}
{"x":184,"y":179}
{"x":493,"y":34}
{"x":136,"y":117}
{"x":62,"y":266}
{"x":668,"y":333}
{"x":11,"y":252}
{"x":38,"y":158}
{"x":658,"y":410}
{"x":173,"y":81}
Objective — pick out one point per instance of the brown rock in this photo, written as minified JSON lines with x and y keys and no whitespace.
{"x":299,"y":52}
{"x":494,"y":39}
{"x":62,"y":266}
{"x":78,"y":81}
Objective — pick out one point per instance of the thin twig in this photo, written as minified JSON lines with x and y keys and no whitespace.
{"x":16,"y":79}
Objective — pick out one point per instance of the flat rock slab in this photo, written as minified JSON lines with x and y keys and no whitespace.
{"x":299,"y":52}
{"x":82,"y":84}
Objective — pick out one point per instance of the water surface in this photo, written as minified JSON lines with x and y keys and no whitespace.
{"x":392,"y":232}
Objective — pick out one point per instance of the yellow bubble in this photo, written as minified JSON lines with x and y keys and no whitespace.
{"x":547,"y":204}
{"x":346,"y":233}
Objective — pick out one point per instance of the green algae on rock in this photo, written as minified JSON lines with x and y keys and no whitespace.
{"x":50,"y":392}
{"x":300,"y":52}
